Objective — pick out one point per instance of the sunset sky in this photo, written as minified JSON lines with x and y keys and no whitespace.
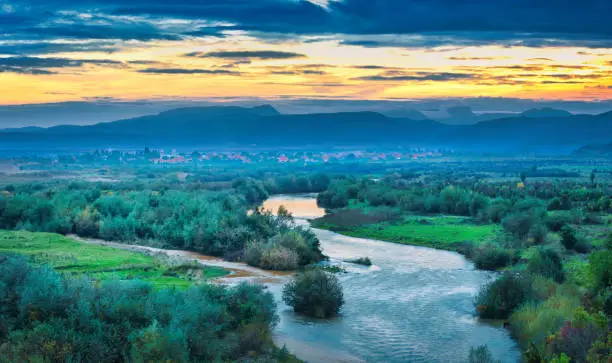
{"x":351,"y":49}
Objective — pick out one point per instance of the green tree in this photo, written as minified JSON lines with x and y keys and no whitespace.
{"x":314,"y":293}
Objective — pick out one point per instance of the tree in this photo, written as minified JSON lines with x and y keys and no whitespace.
{"x":314,"y":293}
{"x":481,"y":354}
{"x":523,"y":176}
{"x":568,"y":237}
{"x":547,"y":263}
{"x":498,"y":299}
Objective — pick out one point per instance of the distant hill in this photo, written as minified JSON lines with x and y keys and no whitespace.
{"x":604,"y":150}
{"x":264,"y":126}
{"x":545,"y":112}
{"x":408,"y":113}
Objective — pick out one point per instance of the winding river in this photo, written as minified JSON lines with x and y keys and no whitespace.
{"x":413,"y":305}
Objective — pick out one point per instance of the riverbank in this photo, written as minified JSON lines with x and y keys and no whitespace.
{"x":105,"y":261}
{"x":449,"y":233}
{"x":235,"y":272}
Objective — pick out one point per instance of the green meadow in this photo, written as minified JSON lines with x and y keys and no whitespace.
{"x":100,"y":262}
{"x":440,"y":231}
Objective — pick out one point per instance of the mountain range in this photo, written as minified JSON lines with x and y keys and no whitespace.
{"x":263,"y":126}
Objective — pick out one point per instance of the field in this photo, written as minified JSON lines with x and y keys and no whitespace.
{"x":442,"y":231}
{"x":100,"y":262}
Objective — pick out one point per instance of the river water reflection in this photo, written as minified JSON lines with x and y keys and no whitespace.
{"x":413,"y":305}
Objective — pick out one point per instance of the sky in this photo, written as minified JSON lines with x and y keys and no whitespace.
{"x":64,"y":50}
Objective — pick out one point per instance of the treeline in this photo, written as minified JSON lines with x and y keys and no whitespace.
{"x":462,"y":197}
{"x":48,"y":317}
{"x":185,"y":216}
{"x":521,"y":211}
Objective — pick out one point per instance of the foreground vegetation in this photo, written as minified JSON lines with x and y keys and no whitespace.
{"x":50,"y":317}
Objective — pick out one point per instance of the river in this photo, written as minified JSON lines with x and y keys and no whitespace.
{"x":413,"y":305}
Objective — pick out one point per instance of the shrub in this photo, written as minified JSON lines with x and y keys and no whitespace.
{"x":547,"y":263}
{"x":601,"y":350}
{"x":481,"y":354}
{"x":520,"y":224}
{"x":535,"y":322}
{"x":575,"y":340}
{"x":555,"y":204}
{"x":491,"y":258}
{"x":556,"y":222}
{"x":600,"y":269}
{"x":499,"y":298}
{"x":252,"y":253}
{"x":582,"y":246}
{"x":362,"y":261}
{"x":314,"y":293}
{"x":568,"y":237}
{"x":279,"y":258}
{"x":498,"y":210}
{"x":538,"y":232}
{"x":296,"y":241}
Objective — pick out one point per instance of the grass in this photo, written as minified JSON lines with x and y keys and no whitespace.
{"x":99,"y":262}
{"x":445,"y":232}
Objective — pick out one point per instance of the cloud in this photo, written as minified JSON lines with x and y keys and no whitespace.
{"x":188,"y":71}
{"x":47,"y":47}
{"x":392,"y":16}
{"x":313,"y":72}
{"x":41,"y":66}
{"x":247,"y":54}
{"x":210,"y":31}
{"x":121,"y":31}
{"x":52,"y":62}
{"x":32,"y":71}
{"x":470,"y":58}
{"x":365,"y":23}
{"x":420,"y":76}
{"x":306,"y":72}
{"x":540,"y":59}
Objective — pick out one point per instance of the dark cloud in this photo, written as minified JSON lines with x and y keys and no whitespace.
{"x":42,"y":66}
{"x":143,"y":62}
{"x":420,"y":76}
{"x":540,"y":59}
{"x":36,"y":62}
{"x":313,"y":72}
{"x":305,"y":72}
{"x":247,"y":54}
{"x":20,"y":70}
{"x":213,"y":31}
{"x":371,"y":67}
{"x":44,"y":47}
{"x":365,"y":23}
{"x":188,"y":71}
{"x":121,"y":31}
{"x":589,"y":18}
